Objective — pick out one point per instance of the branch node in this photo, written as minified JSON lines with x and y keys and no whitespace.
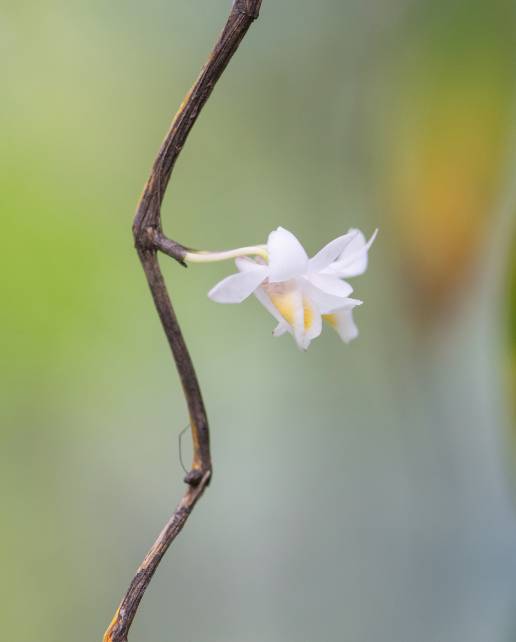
{"x":194,"y":477}
{"x":169,"y":247}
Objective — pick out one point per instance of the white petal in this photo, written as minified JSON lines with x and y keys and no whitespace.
{"x":281,"y":329}
{"x":327,"y":303}
{"x":330,"y":284}
{"x":342,"y":322}
{"x":237,"y":287}
{"x":287,"y":257}
{"x":312,"y":322}
{"x":330,"y":252}
{"x":353,"y":261}
{"x":299,"y":320}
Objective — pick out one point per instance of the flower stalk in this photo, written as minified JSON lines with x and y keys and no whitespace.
{"x":214,"y":257}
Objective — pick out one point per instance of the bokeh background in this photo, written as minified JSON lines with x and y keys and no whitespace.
{"x":362,"y":492}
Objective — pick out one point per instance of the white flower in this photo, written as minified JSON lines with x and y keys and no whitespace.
{"x":299,"y":292}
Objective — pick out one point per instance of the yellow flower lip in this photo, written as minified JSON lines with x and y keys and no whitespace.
{"x":284,"y":300}
{"x":290,"y":304}
{"x":331,"y":319}
{"x":308,"y":314}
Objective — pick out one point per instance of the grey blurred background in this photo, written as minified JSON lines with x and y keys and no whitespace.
{"x":361,"y":492}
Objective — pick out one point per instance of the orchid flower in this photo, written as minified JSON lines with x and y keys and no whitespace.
{"x":298,"y":291}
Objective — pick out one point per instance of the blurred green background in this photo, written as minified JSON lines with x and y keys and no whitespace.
{"x":361,"y":492}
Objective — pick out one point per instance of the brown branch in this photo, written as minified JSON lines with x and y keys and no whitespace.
{"x":149,"y":239}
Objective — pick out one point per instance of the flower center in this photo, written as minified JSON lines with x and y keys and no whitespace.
{"x":285,"y":303}
{"x":285,"y":297}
